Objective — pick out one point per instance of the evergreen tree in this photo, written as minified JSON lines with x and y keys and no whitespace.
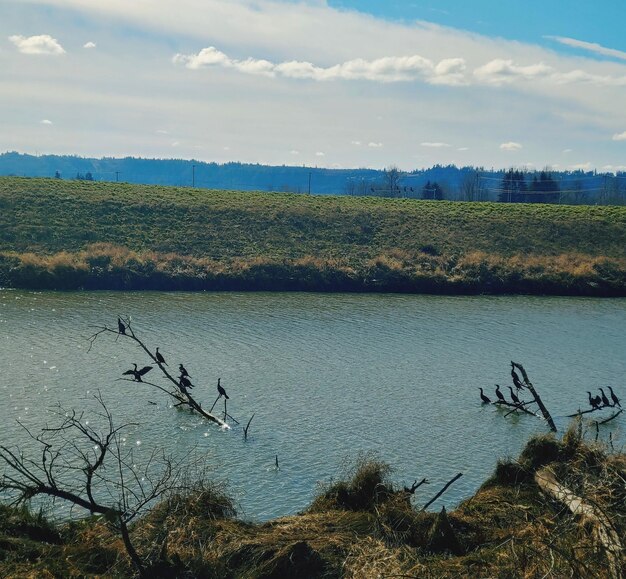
{"x":513,"y":187}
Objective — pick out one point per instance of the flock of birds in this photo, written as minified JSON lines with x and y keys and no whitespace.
{"x":596,"y":402}
{"x":184,"y":380}
{"x":514,"y":397}
{"x":603,"y":400}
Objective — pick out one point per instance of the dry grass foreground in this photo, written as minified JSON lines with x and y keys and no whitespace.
{"x":70,"y":235}
{"x":363,"y":527}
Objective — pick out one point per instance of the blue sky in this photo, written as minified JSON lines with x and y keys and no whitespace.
{"x":527,"y":21}
{"x":335,"y":83}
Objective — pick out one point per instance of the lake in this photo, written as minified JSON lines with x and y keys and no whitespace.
{"x":326,"y":375}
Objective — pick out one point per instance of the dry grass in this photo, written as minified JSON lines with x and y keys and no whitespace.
{"x":360,"y":527}
{"x":108,"y":266}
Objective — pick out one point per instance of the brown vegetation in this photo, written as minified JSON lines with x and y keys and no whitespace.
{"x":362,"y":527}
{"x":107,"y":266}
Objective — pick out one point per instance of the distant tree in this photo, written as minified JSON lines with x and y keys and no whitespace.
{"x":391,"y":182}
{"x":544,"y":189}
{"x":432,"y":191}
{"x":57,"y":175}
{"x":472,"y":188}
{"x":513,"y":187}
{"x":88,"y":176}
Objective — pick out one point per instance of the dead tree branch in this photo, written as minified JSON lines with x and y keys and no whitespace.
{"x":443,"y":490}
{"x":179,"y":392}
{"x":92,"y":470}
{"x":531,"y":388}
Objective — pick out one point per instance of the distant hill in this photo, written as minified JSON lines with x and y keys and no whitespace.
{"x":455,"y":183}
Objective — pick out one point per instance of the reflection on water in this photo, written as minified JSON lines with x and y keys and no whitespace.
{"x":326,"y":375}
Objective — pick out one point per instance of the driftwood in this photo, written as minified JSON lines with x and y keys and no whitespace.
{"x":443,"y":490}
{"x":180,"y":394}
{"x":531,"y":388}
{"x":589,"y":514}
{"x":581,"y":412}
{"x":245,"y":430}
{"x":516,"y":407}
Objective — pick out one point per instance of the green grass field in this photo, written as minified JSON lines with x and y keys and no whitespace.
{"x":216,"y":236}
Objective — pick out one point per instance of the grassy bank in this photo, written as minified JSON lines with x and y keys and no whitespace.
{"x":77,"y":234}
{"x":362,"y":526}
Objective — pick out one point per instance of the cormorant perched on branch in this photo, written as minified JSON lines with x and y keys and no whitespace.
{"x":499,"y":393}
{"x":183,"y":371}
{"x":514,"y":397}
{"x":221,"y":390}
{"x":185,"y":382}
{"x":516,"y":380}
{"x":484,"y":398}
{"x":137,"y":374}
{"x":605,"y":400}
{"x":159,"y":357}
{"x":121,"y":328}
{"x":594,"y":401}
{"x":614,"y":398}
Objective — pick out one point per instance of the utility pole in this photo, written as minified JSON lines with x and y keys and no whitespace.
{"x":309,"y":182}
{"x":193,"y":175}
{"x":117,"y":176}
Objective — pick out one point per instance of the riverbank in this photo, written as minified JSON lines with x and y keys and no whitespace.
{"x":80,"y":235}
{"x":518,"y":524}
{"x":109,"y":267}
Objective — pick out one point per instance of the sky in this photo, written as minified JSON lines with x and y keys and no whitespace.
{"x":336,"y":83}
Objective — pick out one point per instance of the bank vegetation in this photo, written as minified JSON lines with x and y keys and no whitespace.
{"x":558,"y":510}
{"x":58,"y":234}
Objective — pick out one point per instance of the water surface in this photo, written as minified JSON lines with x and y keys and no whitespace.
{"x":327,"y":376}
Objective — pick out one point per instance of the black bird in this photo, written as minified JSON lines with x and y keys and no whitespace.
{"x":484,"y":398}
{"x":183,"y":371}
{"x":594,"y":401}
{"x":221,"y":390}
{"x":516,"y":380}
{"x":514,"y":396}
{"x":605,"y":400}
{"x":121,"y":328}
{"x":137,"y":374}
{"x":499,"y":394}
{"x":159,"y":357}
{"x":614,"y":398}
{"x":185,"y":382}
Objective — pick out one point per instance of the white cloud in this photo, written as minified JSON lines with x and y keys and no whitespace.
{"x":356,"y":143}
{"x":264,"y":104}
{"x":511,"y":146}
{"x":463,"y":149}
{"x":589,"y":46}
{"x":42,"y":44}
{"x":436,"y":145}
{"x":46,"y":122}
{"x":162,"y":132}
{"x":374,"y":145}
{"x":320,"y":154}
{"x":386,"y":69}
{"x":294,"y":152}
{"x":89,"y":45}
{"x":566,"y":151}
{"x":619,"y":136}
{"x":502,"y":71}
